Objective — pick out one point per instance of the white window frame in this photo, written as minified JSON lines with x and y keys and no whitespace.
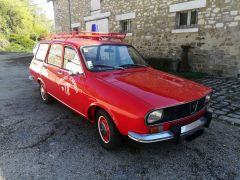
{"x":186,"y":6}
{"x":126,"y":17}
{"x":196,"y":4}
{"x":189,"y":25}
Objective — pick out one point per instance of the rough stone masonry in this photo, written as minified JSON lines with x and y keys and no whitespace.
{"x":158,"y":28}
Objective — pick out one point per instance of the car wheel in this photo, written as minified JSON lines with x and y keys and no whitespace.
{"x":46,"y":98}
{"x":109,"y":136}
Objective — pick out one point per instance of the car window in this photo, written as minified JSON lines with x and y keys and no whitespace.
{"x":71,"y":60}
{"x":42,"y":52}
{"x":55,"y":54}
{"x":106,"y":53}
{"x":107,"y":57}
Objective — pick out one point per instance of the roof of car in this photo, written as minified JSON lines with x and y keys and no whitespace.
{"x":82,"y":42}
{"x":88,"y":39}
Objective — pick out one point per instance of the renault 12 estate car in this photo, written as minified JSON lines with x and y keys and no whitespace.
{"x":109,"y":83}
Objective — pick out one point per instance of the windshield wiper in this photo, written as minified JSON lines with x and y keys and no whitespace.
{"x":107,"y":66}
{"x":133,"y":65}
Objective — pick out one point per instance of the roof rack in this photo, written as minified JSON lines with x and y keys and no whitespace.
{"x":89,"y":35}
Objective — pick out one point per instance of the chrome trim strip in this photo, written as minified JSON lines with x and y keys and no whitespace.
{"x":166,"y":135}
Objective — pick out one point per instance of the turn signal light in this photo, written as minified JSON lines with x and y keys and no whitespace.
{"x":154,"y":130}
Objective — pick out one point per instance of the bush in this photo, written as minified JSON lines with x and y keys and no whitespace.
{"x":20,"y":43}
{"x":3,"y":42}
{"x":13,"y":47}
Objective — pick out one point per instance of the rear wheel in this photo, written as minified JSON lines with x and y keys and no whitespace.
{"x":46,"y":98}
{"x":109,"y":136}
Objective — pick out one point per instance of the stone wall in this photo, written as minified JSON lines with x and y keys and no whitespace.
{"x":215,"y":47}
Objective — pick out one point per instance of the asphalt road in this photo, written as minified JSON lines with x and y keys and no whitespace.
{"x":39,"y":141}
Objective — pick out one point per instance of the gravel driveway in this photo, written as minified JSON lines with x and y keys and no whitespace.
{"x":39,"y":141}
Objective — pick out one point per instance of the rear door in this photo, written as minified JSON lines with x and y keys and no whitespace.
{"x":51,"y":71}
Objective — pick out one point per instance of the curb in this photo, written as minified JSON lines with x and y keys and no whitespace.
{"x":15,"y":57}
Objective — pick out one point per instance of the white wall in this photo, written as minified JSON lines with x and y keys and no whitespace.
{"x":102,"y":25}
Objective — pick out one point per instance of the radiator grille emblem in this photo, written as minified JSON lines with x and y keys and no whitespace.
{"x":193,"y":107}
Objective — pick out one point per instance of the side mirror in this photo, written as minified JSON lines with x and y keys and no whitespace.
{"x":74,"y":73}
{"x":74,"y":69}
{"x":70,"y":73}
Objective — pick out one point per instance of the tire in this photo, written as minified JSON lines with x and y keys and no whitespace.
{"x":108,"y":135}
{"x":46,"y":98}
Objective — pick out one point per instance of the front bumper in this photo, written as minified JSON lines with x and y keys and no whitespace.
{"x":176,"y":132}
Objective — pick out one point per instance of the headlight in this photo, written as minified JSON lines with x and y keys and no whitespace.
{"x":207,"y":99}
{"x":154,"y":116}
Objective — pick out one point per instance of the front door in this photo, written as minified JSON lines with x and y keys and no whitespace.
{"x":72,"y":83}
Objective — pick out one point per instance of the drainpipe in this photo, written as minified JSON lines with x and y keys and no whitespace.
{"x":70,"y":15}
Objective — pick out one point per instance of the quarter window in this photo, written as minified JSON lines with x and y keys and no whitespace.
{"x":55,"y":55}
{"x":42,"y":52}
{"x":186,"y":19}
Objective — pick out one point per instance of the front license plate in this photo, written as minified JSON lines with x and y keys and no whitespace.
{"x":191,"y":126}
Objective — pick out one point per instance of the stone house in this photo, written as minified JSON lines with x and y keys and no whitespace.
{"x":158,"y":28}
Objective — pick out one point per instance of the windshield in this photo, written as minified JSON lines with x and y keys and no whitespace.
{"x":109,"y":57}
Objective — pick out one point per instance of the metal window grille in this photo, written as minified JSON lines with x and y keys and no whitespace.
{"x":126,"y":26}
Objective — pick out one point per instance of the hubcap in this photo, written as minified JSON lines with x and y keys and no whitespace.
{"x":103,"y":129}
{"x":43,"y":93}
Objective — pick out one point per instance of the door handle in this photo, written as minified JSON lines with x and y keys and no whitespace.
{"x":60,"y":72}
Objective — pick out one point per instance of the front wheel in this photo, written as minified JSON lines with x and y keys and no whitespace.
{"x":109,"y":136}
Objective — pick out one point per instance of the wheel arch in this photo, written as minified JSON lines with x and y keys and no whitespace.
{"x":92,"y":110}
{"x":39,"y":80}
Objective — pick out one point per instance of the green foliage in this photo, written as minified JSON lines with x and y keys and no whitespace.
{"x":20,"y":42}
{"x":21,"y":25}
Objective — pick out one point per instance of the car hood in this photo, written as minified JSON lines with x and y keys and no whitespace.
{"x":154,"y":87}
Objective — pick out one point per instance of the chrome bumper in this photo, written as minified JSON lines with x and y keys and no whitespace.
{"x":166,"y":135}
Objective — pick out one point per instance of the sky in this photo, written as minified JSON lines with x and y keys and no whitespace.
{"x":47,"y":7}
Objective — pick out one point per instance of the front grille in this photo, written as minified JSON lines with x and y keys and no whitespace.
{"x":183,"y":110}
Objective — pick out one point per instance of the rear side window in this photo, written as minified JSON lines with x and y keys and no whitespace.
{"x":55,"y":55}
{"x":42,"y":52}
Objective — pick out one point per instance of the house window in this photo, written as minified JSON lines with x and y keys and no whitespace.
{"x":126,"y":26}
{"x":186,"y":19}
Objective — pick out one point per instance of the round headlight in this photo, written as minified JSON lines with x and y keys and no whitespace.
{"x":207,"y":98}
{"x":154,"y":116}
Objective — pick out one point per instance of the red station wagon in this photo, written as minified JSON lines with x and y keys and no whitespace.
{"x":110,"y":84}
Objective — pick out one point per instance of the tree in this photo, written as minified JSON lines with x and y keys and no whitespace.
{"x":21,"y":25}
